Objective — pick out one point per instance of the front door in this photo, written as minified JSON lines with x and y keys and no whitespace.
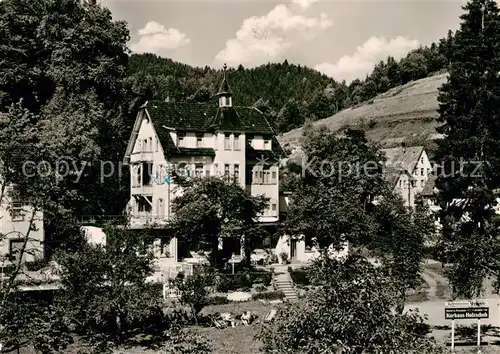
{"x":293,"y":248}
{"x":161,"y":208}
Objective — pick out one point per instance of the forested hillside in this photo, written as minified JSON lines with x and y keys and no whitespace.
{"x":289,"y":94}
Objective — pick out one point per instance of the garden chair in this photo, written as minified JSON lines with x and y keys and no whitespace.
{"x":220,"y":324}
{"x":270,"y":315}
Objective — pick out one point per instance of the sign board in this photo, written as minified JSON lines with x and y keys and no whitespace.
{"x":467,"y":303}
{"x":460,"y":313}
{"x":462,"y":310}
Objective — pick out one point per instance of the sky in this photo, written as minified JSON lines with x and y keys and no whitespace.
{"x":342,"y":39}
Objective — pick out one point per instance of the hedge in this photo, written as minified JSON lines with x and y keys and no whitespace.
{"x":233,"y":282}
{"x":269,"y":295}
{"x":300,"y":276}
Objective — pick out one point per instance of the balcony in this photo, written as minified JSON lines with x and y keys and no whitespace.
{"x":142,"y":190}
{"x":141,"y":156}
{"x":142,"y":219}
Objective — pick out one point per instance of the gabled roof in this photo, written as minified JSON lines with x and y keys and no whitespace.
{"x":403,"y":158}
{"x":428,"y":190}
{"x":207,"y":117}
{"x":199,"y":117}
{"x":392,"y":175}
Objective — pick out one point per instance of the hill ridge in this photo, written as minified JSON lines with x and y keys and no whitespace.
{"x":406,"y":113}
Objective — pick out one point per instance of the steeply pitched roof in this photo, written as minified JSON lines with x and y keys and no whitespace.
{"x":392,"y":175}
{"x":403,"y":158}
{"x":428,"y":190}
{"x":207,"y":117}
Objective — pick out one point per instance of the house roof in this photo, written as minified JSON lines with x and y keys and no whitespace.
{"x":392,"y":175}
{"x":403,"y":158}
{"x":428,"y":190}
{"x":201,"y":117}
{"x":207,"y":117}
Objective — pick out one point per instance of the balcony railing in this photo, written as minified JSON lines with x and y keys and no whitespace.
{"x":145,"y":218}
{"x":141,"y":156}
{"x":142,"y":190}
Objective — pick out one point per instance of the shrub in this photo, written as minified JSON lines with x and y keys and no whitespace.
{"x":233,"y":282}
{"x":37,"y":265}
{"x":217,"y":300}
{"x":300,"y":276}
{"x":284,"y":257}
{"x":260,"y":288}
{"x":269,"y":295}
{"x":261,"y":277}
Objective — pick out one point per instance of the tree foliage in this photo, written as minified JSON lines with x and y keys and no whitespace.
{"x":211,"y":208}
{"x":106,"y":295}
{"x":62,"y":77}
{"x":352,"y":311}
{"x":469,"y":154}
{"x":293,"y":94}
{"x":341,"y":195}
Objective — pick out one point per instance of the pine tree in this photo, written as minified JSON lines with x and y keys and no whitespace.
{"x":470,"y":152}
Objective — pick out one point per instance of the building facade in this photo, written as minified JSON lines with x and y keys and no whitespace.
{"x":408,"y":169}
{"x":198,"y":140}
{"x":22,"y":232}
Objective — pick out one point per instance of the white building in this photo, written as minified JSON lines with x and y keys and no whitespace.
{"x":408,"y":169}
{"x":21,"y":230}
{"x":198,"y":140}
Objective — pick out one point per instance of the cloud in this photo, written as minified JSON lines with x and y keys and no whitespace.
{"x":305,"y":3}
{"x":265,"y":38}
{"x":366,"y":56}
{"x":154,"y":37}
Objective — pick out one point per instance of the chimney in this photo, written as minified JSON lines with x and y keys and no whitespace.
{"x":403,"y":146}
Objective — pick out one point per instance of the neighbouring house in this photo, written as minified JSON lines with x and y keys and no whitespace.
{"x":22,"y":232}
{"x":198,"y":140}
{"x":407,"y":169}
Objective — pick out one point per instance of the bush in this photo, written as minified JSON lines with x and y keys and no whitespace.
{"x":217,"y":300}
{"x":300,"y":276}
{"x":269,"y":295}
{"x":239,"y":281}
{"x":37,"y":265}
{"x":260,"y":288}
{"x":233,"y":282}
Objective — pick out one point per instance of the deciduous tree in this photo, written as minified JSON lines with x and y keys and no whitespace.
{"x":351,"y":311}
{"x":212,"y":208}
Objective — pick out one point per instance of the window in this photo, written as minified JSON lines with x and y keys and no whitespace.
{"x":236,"y":172}
{"x":145,"y":145}
{"x":422,"y":159}
{"x":273,"y":177}
{"x":16,"y":211}
{"x":236,"y":142}
{"x":180,"y":139}
{"x":216,"y":169}
{"x":421,"y":171}
{"x":198,"y":171}
{"x":207,"y":172}
{"x":267,"y":144}
{"x":16,"y":246}
{"x":199,"y":141}
{"x":150,"y":144}
{"x":227,"y":144}
{"x":157,"y":144}
{"x":273,"y":207}
{"x":422,"y":183}
{"x":226,"y":171}
{"x":401,"y":183}
{"x":161,"y":174}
